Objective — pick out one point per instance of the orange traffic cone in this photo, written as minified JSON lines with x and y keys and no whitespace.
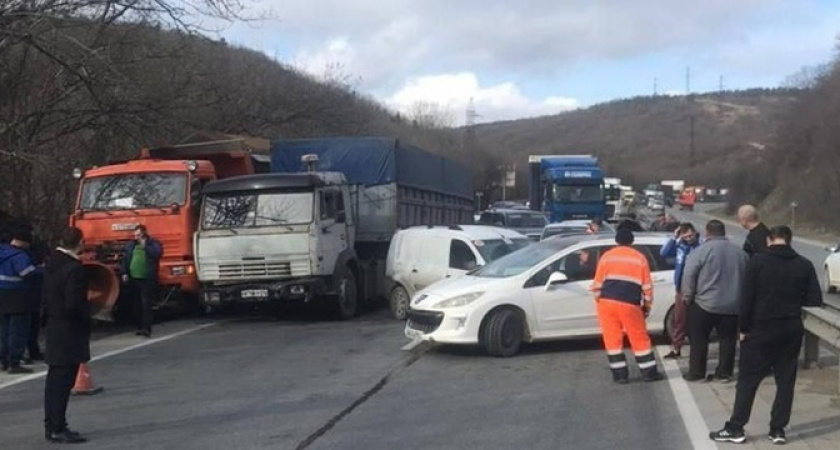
{"x":84,"y":383}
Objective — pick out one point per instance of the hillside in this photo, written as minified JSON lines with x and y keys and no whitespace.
{"x":647,"y":139}
{"x":77,"y":93}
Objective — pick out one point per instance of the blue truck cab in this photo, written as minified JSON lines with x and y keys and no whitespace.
{"x":566,"y":187}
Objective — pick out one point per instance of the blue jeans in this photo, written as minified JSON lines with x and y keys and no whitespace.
{"x":14,"y":334}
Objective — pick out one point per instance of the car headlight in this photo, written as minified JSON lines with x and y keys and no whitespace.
{"x":461,"y":300}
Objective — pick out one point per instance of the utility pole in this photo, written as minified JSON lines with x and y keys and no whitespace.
{"x":469,"y":144}
{"x":688,"y":80}
{"x":655,"y":87}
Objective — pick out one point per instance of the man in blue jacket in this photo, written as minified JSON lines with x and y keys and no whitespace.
{"x":16,"y":271}
{"x":140,"y":264}
{"x":684,"y":241}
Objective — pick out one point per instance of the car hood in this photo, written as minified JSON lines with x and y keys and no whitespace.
{"x":453,"y":287}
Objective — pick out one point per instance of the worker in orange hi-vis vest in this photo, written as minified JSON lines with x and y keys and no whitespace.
{"x":623,"y":295}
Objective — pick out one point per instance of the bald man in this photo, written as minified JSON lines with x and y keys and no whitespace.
{"x":757,"y":238}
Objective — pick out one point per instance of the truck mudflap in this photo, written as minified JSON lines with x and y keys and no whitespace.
{"x":270,"y":292}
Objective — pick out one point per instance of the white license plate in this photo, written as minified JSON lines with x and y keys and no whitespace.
{"x":254,"y":293}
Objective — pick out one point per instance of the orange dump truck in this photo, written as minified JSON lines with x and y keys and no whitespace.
{"x":160,"y":188}
{"x":687,"y":198}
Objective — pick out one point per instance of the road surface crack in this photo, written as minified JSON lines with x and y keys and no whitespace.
{"x":404,"y":364}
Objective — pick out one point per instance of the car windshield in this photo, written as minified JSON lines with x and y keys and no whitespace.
{"x":553,"y":231}
{"x":494,"y":249}
{"x":578,"y":194}
{"x":523,"y":259}
{"x":518,"y":220}
{"x":134,"y":191}
{"x":248,"y":210}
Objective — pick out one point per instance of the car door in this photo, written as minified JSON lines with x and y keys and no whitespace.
{"x":462,"y":259}
{"x":333,"y":234}
{"x":431,"y":263}
{"x":662,"y":276}
{"x":568,"y":308}
{"x":833,"y":263}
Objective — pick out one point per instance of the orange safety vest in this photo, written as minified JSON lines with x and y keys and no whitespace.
{"x":623,"y":275}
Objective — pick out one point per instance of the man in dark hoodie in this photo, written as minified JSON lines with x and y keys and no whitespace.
{"x":68,"y":332}
{"x":777,"y":285}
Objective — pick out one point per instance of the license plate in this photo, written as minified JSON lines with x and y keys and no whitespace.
{"x":254,"y":293}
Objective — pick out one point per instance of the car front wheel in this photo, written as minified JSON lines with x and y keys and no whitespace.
{"x":502,"y":334}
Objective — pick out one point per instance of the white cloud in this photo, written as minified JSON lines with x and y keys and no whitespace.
{"x":453,"y":92}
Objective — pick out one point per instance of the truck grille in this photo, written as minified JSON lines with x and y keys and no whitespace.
{"x":110,"y":253}
{"x":425,"y":321}
{"x":246,"y":270}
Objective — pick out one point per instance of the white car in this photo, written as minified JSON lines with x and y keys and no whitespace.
{"x":422,"y":255}
{"x":534,"y":294}
{"x":831,"y":269}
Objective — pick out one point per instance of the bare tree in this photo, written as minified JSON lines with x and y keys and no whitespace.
{"x":430,"y":115}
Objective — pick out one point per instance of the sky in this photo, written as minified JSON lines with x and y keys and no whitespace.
{"x":537,"y":57}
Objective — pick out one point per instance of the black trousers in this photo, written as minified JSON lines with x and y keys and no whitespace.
{"x":145,"y":294}
{"x":34,"y":331}
{"x":60,"y":380}
{"x":770,"y":346}
{"x":700,"y":326}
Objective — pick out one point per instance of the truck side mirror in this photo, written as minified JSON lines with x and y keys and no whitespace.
{"x":556,"y":278}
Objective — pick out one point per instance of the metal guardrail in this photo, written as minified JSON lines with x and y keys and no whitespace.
{"x":822,"y":325}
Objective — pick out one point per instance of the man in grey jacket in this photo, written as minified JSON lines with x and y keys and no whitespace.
{"x":711,"y":286}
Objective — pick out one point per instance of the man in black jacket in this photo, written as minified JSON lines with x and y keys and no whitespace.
{"x":778,"y":284}
{"x":756,"y":241}
{"x":67,"y":316}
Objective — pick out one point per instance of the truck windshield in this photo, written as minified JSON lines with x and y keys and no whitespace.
{"x":134,"y":191}
{"x":591,"y":193}
{"x":257,"y":210}
{"x":612,"y":193}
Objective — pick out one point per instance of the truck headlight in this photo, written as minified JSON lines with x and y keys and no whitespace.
{"x":461,"y":300}
{"x":182,"y":270}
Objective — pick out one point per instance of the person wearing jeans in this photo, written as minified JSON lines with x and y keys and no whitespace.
{"x":678,"y":247}
{"x":711,"y":287}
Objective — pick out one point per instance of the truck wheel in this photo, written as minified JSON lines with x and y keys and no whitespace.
{"x":398,"y":300}
{"x":502,"y":334}
{"x":346,"y":301}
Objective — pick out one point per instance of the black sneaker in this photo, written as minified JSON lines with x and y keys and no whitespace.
{"x":692,"y":377}
{"x":727,"y":435}
{"x":672,"y":355}
{"x":65,"y":437}
{"x":777,"y":437}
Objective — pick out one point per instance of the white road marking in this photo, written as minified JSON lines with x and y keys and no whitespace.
{"x":36,"y":375}
{"x":695,"y":425}
{"x":411,"y":345}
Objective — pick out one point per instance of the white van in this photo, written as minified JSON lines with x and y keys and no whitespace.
{"x":420,"y":256}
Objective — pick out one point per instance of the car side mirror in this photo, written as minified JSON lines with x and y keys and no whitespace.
{"x":340,"y":217}
{"x":556,"y":278}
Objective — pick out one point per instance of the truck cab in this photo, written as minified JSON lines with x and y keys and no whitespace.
{"x":161,"y":189}
{"x":273,"y":238}
{"x":567,"y":187}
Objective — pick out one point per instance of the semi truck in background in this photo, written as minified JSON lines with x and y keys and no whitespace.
{"x":566,"y":187}
{"x":159,"y":188}
{"x":317,"y":228}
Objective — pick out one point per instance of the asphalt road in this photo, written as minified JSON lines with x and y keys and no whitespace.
{"x":295,"y":384}
{"x":303,"y":383}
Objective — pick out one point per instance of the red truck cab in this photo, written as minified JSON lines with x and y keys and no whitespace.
{"x":160,"y":189}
